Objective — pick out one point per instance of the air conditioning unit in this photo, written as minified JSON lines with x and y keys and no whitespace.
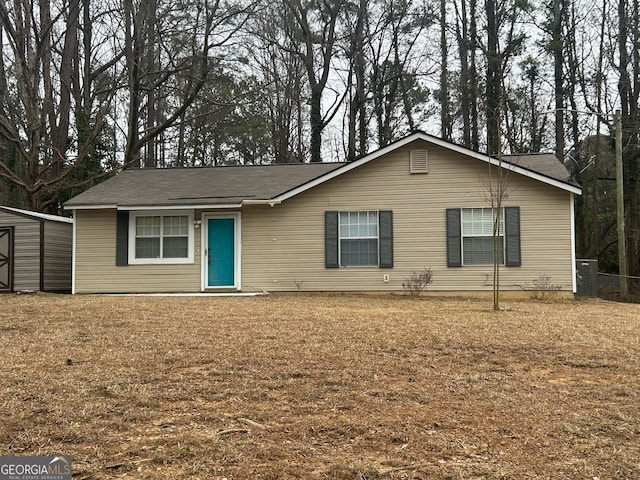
{"x":587,"y":277}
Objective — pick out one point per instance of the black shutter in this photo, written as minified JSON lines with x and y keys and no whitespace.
{"x":122,"y":238}
{"x":454,"y":238}
{"x":331,"y":240}
{"x":385,"y":240}
{"x":512,"y":236}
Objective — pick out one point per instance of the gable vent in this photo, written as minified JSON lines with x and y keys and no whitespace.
{"x":419,"y":162}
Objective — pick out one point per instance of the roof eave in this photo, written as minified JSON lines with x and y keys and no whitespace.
{"x":174,"y":206}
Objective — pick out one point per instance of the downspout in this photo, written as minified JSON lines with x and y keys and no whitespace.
{"x":73,"y":255}
{"x":573,"y":242}
{"x":42,"y":256}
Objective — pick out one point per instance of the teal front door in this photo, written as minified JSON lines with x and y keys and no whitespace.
{"x":221,"y":252}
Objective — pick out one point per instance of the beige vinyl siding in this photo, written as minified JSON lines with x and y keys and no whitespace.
{"x":57,"y":256}
{"x":284,"y":245}
{"x":96,"y":269}
{"x":26,"y":259}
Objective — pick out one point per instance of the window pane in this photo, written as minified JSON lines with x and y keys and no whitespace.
{"x":176,"y":225}
{"x":147,"y":226}
{"x":147,"y":247}
{"x":479,"y":250}
{"x":359,"y":252}
{"x":479,"y":222}
{"x":175,"y":247}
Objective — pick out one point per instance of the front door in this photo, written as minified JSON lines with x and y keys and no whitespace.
{"x":221,"y":252}
{"x":6,"y":259}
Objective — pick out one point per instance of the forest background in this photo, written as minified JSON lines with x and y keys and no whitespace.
{"x":88,"y":88}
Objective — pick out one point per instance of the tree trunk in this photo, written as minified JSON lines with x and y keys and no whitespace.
{"x":474,"y":91}
{"x":558,"y":80}
{"x":493,"y":79}
{"x":445,"y":118}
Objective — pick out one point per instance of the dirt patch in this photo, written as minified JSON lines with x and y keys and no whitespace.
{"x":312,"y":386}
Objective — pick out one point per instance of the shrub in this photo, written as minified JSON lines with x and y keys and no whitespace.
{"x":541,"y":288}
{"x":418,"y":281}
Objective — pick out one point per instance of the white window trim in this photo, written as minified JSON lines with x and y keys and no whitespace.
{"x":340,"y":238}
{"x":463,"y":236}
{"x":160,"y":261}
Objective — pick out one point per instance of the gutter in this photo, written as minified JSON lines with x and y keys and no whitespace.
{"x":270,"y":202}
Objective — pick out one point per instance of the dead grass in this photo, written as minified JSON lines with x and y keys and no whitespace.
{"x":324,"y":387}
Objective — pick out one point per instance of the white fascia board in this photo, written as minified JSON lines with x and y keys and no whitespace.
{"x":91,"y":207}
{"x":177,"y":207}
{"x":261,"y":202}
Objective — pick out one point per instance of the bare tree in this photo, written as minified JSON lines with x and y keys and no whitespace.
{"x":39,"y":101}
{"x":504,"y":42}
{"x":395,"y":88}
{"x":169,"y":55}
{"x":465,"y":28}
{"x":311,"y":29}
{"x":446,"y":125}
{"x":357,"y":121}
{"x":282,"y":74}
{"x":497,"y":189}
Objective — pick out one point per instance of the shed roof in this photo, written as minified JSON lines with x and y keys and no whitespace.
{"x":35,"y":215}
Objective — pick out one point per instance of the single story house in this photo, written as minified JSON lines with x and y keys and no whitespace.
{"x":35,"y":251}
{"x":365,"y":225}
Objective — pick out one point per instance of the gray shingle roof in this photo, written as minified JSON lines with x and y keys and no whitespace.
{"x":199,"y":186}
{"x":546,"y":164}
{"x":221,"y":186}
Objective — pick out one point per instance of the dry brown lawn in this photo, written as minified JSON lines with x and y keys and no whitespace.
{"x":322,"y":387}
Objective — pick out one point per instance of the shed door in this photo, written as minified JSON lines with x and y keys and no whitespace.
{"x":6,"y":259}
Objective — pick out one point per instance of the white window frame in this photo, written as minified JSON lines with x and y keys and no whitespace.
{"x":464,"y":235}
{"x":161,"y":261}
{"x":377,"y":237}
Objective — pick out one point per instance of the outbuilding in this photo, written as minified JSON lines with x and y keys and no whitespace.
{"x":35,"y":251}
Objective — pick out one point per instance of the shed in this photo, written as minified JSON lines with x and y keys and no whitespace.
{"x":35,"y":251}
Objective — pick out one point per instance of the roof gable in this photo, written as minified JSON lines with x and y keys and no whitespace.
{"x":550,"y":170}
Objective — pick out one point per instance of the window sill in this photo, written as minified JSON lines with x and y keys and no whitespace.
{"x":160,"y":261}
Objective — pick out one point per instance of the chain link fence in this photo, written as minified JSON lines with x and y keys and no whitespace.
{"x":609,"y":286}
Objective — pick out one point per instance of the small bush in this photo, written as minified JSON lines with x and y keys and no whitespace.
{"x":418,"y":281}
{"x":541,"y":288}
